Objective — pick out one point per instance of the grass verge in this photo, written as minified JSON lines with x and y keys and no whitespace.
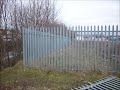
{"x":17,"y":78}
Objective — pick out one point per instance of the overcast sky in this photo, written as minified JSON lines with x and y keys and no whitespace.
{"x":89,"y":12}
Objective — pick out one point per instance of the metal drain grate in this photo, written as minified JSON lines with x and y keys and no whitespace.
{"x":107,"y":83}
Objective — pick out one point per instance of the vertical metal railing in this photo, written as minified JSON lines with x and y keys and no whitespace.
{"x":73,"y":48}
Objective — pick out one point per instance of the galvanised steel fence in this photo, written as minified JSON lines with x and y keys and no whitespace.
{"x":72,"y":48}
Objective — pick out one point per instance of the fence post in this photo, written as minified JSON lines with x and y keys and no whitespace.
{"x":95,"y":48}
{"x":66,"y":48}
{"x":117,"y":52}
{"x":105,"y":63}
{"x":109,"y":45}
{"x":81,"y":51}
{"x":24,"y":62}
{"x":98,"y":59}
{"x":102,"y":49}
{"x":69,"y":52}
{"x":30,"y":47}
{"x":91,"y":48}
{"x":113,"y":61}
{"x":87,"y":49}
{"x":84,"y":64}
{"x":76,"y":48}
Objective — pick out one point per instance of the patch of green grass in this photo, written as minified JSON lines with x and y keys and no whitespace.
{"x":38,"y":79}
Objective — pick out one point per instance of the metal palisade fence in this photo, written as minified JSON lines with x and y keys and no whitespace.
{"x":72,"y":48}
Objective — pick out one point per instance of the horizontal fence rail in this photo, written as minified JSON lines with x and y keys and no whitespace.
{"x":73,"y":48}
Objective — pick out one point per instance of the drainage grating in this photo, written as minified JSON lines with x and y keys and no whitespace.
{"x":107,"y":83}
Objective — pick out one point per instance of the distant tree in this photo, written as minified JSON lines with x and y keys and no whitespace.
{"x":17,"y":15}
